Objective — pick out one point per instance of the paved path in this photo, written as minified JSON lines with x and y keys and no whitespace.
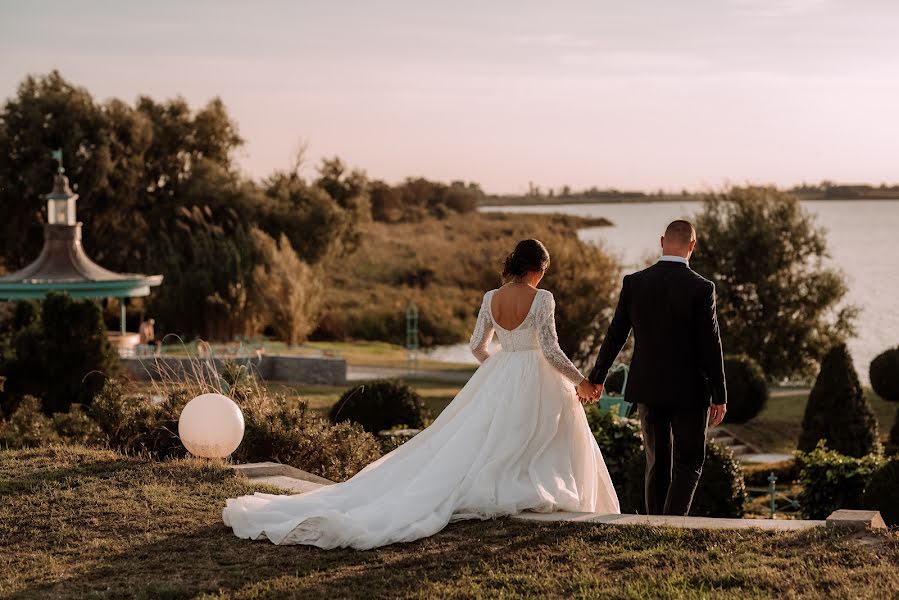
{"x":363,"y":373}
{"x":295,"y":481}
{"x":680,"y":522}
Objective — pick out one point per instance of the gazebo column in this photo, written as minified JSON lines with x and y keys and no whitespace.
{"x":122,"y":316}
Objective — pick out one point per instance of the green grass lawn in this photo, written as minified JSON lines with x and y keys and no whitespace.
{"x":79,"y":523}
{"x":435,"y":394}
{"x":777,"y":428}
{"x":356,"y":354}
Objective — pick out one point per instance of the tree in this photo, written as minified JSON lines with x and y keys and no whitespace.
{"x":837,"y":410}
{"x":777,"y":302}
{"x":585,"y":282}
{"x":160,"y":193}
{"x":291,"y":291}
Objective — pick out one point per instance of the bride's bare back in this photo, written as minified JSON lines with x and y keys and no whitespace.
{"x":511,"y":304}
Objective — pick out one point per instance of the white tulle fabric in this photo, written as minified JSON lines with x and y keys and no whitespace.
{"x":515,"y":438}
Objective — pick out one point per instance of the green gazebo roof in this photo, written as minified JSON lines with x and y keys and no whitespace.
{"x":63,"y":266}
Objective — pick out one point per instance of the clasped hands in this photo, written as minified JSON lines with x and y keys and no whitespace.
{"x":587,"y":392}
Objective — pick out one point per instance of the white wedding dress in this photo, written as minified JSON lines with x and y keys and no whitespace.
{"x":515,"y":438}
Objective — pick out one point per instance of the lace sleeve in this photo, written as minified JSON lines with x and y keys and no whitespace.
{"x":483,"y":331}
{"x":549,"y":340}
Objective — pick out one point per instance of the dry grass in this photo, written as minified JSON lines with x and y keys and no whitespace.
{"x":446,"y":277}
{"x":78,"y":523}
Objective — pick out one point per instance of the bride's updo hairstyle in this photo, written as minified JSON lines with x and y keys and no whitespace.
{"x":529,"y":255}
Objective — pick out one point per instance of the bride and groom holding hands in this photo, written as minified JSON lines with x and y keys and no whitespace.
{"x":515,"y":438}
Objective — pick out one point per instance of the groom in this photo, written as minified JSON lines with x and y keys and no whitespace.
{"x":677,"y":372}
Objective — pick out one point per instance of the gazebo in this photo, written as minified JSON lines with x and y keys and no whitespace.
{"x":63,"y":266}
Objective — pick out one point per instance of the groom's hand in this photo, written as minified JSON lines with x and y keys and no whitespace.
{"x":587,"y":392}
{"x":716,"y":415}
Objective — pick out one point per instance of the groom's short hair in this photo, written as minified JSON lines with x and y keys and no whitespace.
{"x":680,"y":232}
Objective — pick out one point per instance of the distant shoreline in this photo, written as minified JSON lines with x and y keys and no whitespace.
{"x":546,"y":201}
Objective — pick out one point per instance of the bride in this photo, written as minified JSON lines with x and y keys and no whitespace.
{"x":515,"y":438}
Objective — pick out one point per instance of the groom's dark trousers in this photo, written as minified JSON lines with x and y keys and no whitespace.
{"x":676,"y":372}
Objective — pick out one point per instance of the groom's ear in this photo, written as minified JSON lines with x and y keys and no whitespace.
{"x":692,"y":245}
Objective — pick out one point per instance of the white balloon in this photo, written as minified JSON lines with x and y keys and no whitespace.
{"x":211,"y":426}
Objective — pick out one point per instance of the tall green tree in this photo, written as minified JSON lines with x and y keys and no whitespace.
{"x":778,"y":301}
{"x":160,"y":193}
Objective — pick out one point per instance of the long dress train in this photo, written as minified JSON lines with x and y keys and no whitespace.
{"x":515,"y":438}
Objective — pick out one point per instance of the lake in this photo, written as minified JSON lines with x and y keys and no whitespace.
{"x":862,"y":238}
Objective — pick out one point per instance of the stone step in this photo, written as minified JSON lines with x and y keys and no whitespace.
{"x":725,"y":440}
{"x":669,"y":521}
{"x":273,"y":469}
{"x":740,"y":449}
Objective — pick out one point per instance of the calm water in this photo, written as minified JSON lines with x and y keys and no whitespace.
{"x":862,"y":237}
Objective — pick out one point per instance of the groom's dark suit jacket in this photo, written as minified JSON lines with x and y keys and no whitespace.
{"x":677,"y":360}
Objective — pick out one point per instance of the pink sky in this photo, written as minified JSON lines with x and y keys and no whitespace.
{"x":650,"y":94}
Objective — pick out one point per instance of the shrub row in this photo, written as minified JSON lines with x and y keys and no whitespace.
{"x":721,"y":491}
{"x":831,"y":481}
{"x":277,"y":428}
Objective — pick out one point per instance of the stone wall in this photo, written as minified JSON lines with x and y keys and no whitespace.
{"x":289,"y":369}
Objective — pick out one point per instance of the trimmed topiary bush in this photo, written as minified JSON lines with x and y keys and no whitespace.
{"x":884,"y":374}
{"x":747,"y":389}
{"x":379,"y":405}
{"x":622,"y":448}
{"x":837,"y":410}
{"x":831,"y":481}
{"x":882,"y":492}
{"x":60,"y":353}
{"x":721,"y":491}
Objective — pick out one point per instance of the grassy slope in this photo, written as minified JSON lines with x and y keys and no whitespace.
{"x":79,"y":523}
{"x":368,"y":294}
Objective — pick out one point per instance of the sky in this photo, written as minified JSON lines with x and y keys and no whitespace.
{"x":645,"y":94}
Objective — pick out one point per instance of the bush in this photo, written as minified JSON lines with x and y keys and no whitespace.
{"x":747,"y":389}
{"x":135,"y":424}
{"x":831,"y":481}
{"x":721,"y":491}
{"x":276,"y":428}
{"x":61,"y":354}
{"x":287,"y":432}
{"x":28,"y":426}
{"x":882,"y":492}
{"x":884,"y":373}
{"x":379,"y":405}
{"x":893,"y":441}
{"x":837,"y":410}
{"x":622,"y":449}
